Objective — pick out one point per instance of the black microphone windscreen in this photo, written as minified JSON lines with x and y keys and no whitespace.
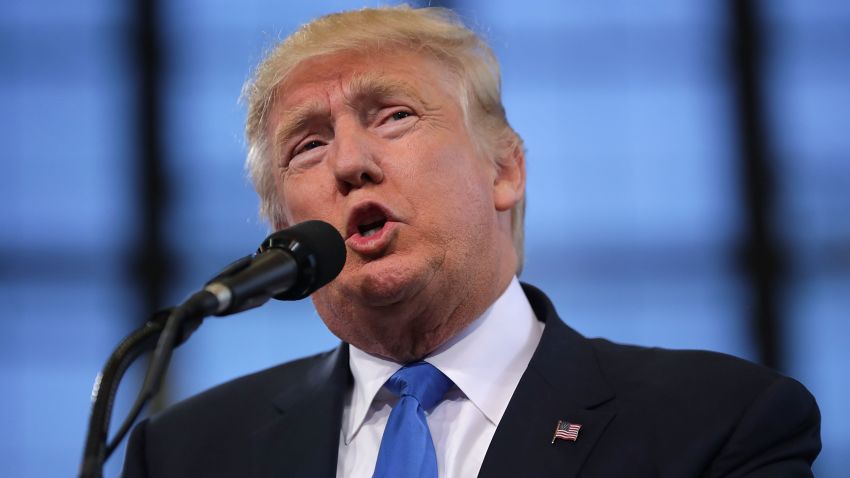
{"x":319,"y":250}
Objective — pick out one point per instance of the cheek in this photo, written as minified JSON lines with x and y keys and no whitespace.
{"x":283,"y":202}
{"x":297,"y":198}
{"x":455,"y":201}
{"x":463,"y":178}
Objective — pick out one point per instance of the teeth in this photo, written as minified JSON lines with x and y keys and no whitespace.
{"x":369,"y":229}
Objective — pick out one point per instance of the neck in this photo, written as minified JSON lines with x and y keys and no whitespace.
{"x":423,"y":334}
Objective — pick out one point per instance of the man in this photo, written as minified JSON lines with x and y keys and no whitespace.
{"x":388,"y":124}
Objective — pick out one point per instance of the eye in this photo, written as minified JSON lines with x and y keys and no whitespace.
{"x":313,"y":144}
{"x":400,"y":115}
{"x":395,"y":120}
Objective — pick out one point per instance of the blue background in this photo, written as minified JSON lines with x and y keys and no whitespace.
{"x":635,"y":209}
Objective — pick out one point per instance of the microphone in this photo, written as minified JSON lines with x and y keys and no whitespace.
{"x":290,"y":264}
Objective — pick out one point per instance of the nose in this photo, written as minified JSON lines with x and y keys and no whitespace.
{"x":354,"y":160}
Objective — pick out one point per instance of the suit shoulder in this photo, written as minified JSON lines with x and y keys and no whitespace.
{"x":633,"y":358}
{"x":209,"y":434}
{"x":244,"y":393}
{"x":734,"y":416}
{"x":691,"y":375}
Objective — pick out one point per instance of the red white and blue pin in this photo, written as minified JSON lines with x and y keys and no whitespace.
{"x":566,"y":431}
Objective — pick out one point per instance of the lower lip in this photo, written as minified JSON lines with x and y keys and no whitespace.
{"x":374,"y":244}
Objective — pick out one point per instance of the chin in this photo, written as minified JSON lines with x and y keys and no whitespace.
{"x":384,"y":285}
{"x":382,"y":282}
{"x":368,"y":302}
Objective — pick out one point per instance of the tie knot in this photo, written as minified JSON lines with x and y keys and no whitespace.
{"x":421,"y":381}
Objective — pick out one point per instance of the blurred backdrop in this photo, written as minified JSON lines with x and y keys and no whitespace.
{"x":689,"y":187}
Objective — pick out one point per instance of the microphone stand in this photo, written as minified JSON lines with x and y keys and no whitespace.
{"x":286,"y":266}
{"x":106,"y":384}
{"x":106,"y":387}
{"x":166,"y":330}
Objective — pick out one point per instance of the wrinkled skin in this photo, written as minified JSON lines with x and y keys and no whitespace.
{"x":359,"y":137}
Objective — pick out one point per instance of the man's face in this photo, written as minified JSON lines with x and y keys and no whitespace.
{"x":376,"y":145}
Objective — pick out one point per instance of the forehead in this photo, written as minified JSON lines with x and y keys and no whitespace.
{"x":350,"y":74}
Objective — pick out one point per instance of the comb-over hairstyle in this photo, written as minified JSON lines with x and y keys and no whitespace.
{"x":437,"y":32}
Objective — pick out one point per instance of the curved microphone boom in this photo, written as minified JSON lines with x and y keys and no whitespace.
{"x":289,"y":265}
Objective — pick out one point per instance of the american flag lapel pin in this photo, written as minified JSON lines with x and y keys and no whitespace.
{"x":566,"y":431}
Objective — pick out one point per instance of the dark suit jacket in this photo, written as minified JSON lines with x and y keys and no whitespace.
{"x":645,"y":412}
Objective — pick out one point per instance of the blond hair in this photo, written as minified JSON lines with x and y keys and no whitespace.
{"x":434,"y":31}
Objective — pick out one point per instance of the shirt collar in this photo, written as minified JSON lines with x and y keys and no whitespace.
{"x":370,"y":373}
{"x":487,"y":379}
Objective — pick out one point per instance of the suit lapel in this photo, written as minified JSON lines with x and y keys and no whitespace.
{"x":303,"y":437}
{"x":563,"y":382}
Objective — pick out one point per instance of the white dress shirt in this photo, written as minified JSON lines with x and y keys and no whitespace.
{"x":485,"y":361}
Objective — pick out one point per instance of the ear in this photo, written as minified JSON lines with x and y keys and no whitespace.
{"x":509,"y":183}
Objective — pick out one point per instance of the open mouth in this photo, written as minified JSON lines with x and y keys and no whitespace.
{"x":367,"y":220}
{"x":370,"y":228}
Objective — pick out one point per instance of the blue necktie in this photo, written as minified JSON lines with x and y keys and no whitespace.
{"x":407,"y":448}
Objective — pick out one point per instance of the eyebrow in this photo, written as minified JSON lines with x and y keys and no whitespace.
{"x":359,"y":89}
{"x":297,"y":118}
